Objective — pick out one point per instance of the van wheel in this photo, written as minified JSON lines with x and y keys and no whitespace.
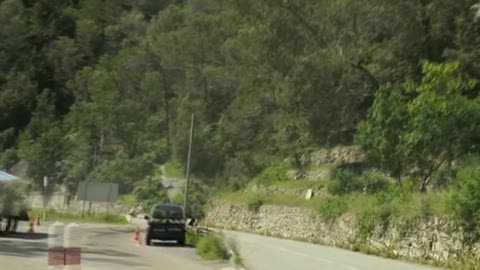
{"x":181,"y":242}
{"x":148,"y":241}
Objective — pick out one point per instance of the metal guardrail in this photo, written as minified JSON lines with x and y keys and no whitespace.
{"x":202,"y":231}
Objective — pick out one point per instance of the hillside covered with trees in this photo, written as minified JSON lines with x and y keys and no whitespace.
{"x":104,"y":90}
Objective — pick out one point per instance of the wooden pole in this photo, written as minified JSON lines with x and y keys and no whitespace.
{"x":188,"y":163}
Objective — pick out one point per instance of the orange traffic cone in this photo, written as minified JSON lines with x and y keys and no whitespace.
{"x":31,"y":227}
{"x":136,"y":238}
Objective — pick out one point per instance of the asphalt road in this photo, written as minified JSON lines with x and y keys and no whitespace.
{"x":104,"y":247}
{"x":108,"y":247}
{"x":265,"y":253}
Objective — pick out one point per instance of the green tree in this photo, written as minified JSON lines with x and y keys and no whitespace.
{"x":381,"y":136}
{"x":150,"y":192}
{"x":442,"y":119}
{"x":41,"y":143}
{"x":431,"y":129}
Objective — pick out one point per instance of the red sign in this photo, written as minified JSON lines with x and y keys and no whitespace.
{"x":56,"y":256}
{"x":73,"y":256}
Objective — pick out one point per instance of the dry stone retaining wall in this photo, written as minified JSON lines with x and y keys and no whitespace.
{"x":436,"y":240}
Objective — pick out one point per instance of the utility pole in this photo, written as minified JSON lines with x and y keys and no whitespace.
{"x":45,"y":184}
{"x":188,"y":163}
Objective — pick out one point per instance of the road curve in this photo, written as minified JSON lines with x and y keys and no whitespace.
{"x":266,"y":253}
{"x":104,"y":247}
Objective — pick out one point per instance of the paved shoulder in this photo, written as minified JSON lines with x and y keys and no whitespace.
{"x":266,"y":253}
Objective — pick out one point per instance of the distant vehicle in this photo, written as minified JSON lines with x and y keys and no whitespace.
{"x":166,"y":222}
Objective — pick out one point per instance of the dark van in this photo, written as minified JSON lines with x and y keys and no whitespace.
{"x":166,"y":222}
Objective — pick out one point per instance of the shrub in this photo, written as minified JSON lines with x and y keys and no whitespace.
{"x":465,"y":200}
{"x":345,"y":182}
{"x":333,"y":207}
{"x":129,"y":200}
{"x":380,"y":208}
{"x":174,"y":169}
{"x":276,"y":172}
{"x":12,"y":200}
{"x":8,"y":159}
{"x":254,"y":203}
{"x":374,"y":181}
{"x":192,"y":237}
{"x":212,"y":247}
{"x":150,"y":192}
{"x":198,"y":195}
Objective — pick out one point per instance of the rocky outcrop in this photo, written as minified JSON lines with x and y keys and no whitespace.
{"x":435,"y":240}
{"x":317,"y":192}
{"x":337,"y":155}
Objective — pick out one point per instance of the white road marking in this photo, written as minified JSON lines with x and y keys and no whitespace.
{"x":299,"y":254}
{"x":349,"y":267}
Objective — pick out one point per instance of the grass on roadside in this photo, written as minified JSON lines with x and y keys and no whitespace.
{"x":298,"y":184}
{"x":408,"y":206}
{"x":237,"y":258}
{"x":212,"y":247}
{"x":52,"y":215}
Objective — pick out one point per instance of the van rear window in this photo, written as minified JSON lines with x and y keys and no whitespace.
{"x":168,"y":212}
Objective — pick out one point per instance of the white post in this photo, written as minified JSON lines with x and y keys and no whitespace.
{"x":45,"y":184}
{"x":56,"y":255}
{"x":73,"y":252}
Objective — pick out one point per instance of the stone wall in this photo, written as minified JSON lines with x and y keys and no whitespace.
{"x":317,"y":192}
{"x":434,"y":240}
{"x":336,"y":155}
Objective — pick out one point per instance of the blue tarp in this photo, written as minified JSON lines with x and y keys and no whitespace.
{"x":6,"y":177}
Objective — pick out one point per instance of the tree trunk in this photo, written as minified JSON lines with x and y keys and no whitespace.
{"x":425,"y":182}
{"x":398,"y":180}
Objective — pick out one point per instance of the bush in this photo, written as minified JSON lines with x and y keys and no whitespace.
{"x":212,"y":247}
{"x":191,"y":237}
{"x":465,"y":200}
{"x":150,"y":192}
{"x":276,"y":172}
{"x":235,"y":252}
{"x":129,"y":200}
{"x":332,"y":207}
{"x":254,"y":203}
{"x":9,"y":158}
{"x":12,"y":200}
{"x":381,"y":207}
{"x":345,"y":182}
{"x":174,"y":169}
{"x":374,"y":181}
{"x":198,"y":195}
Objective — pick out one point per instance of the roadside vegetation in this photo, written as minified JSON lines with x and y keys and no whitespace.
{"x":104,"y":90}
{"x":214,"y":246}
{"x":52,"y":215}
{"x":12,"y":199}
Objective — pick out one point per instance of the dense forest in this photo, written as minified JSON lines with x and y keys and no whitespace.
{"x":103,"y":89}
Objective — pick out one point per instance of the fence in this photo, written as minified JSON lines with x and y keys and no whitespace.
{"x":58,"y":201}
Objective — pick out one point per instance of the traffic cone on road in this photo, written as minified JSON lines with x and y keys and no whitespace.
{"x":136,"y":238}
{"x":31,"y":226}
